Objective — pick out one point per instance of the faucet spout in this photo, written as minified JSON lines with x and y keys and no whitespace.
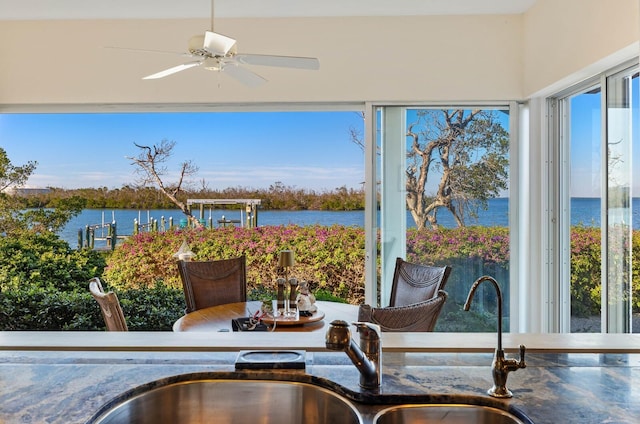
{"x":501,"y":367}
{"x":472,"y":292}
{"x":366,"y":356}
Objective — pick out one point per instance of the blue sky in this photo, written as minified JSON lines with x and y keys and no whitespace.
{"x":585,"y":145}
{"x":310,"y":150}
{"x":586,"y":155}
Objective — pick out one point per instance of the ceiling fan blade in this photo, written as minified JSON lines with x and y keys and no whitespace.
{"x":149,"y":51}
{"x":218,"y":44}
{"x":281,"y":61}
{"x":173,"y":70}
{"x":243,"y":75}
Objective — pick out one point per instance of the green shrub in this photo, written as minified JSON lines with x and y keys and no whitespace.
{"x":44,"y":260}
{"x":46,"y":309}
{"x":44,"y":286}
{"x":586,"y":287}
{"x":153,"y":308}
{"x":43,"y":283}
{"x":635,"y":260}
{"x":585,"y":271}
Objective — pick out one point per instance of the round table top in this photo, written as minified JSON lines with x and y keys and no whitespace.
{"x":218,"y":318}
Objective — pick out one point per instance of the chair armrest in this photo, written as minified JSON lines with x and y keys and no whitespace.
{"x":420,"y":316}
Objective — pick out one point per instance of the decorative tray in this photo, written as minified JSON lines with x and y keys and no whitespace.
{"x":297,"y":320}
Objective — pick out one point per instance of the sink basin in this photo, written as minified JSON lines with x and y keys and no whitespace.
{"x":445,"y":414}
{"x":228,"y":401}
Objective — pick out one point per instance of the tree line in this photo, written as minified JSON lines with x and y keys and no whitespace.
{"x":277,"y":197}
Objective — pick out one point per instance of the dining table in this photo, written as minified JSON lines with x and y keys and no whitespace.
{"x":219,"y":318}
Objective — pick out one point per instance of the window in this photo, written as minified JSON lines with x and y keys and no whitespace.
{"x":311,"y":180}
{"x":596,"y":142}
{"x":442,"y":192}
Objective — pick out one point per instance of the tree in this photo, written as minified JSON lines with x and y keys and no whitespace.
{"x":150,"y":163}
{"x":11,"y":206}
{"x":11,"y":175}
{"x":468,"y":150}
{"x":41,"y":219}
{"x":15,"y":217}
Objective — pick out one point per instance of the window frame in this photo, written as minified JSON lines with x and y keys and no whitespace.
{"x":558,"y":212}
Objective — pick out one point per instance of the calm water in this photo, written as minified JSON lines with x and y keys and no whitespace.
{"x":585,"y":211}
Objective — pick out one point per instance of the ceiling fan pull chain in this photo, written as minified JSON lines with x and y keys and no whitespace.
{"x":212,"y":15}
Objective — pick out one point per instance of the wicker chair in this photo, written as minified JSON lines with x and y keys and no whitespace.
{"x":420,"y":316}
{"x":414,"y":283}
{"x":109,"y":305}
{"x":417,"y":297}
{"x":210,"y":283}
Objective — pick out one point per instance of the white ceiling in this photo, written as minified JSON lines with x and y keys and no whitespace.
{"x":163,"y":9}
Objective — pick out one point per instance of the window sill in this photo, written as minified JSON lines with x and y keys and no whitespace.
{"x":313,"y":341}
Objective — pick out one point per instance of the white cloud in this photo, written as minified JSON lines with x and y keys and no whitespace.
{"x":316,"y":178}
{"x":217,"y":178}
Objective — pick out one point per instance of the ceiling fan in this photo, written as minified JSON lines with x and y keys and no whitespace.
{"x":217,"y":52}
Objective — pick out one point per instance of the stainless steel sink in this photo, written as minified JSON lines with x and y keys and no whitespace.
{"x":445,"y":414}
{"x":229,"y":401}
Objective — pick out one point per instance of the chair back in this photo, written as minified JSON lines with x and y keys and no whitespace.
{"x":211,"y":283}
{"x":421,"y":316}
{"x":109,"y":305}
{"x":414,"y":283}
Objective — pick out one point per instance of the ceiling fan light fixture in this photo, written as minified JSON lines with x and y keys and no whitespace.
{"x":218,"y":44}
{"x":212,"y":64}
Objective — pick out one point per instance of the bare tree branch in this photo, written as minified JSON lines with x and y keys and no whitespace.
{"x":355,"y":134}
{"x":150,"y":165}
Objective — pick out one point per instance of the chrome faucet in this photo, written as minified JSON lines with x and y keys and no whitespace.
{"x":366,"y":357}
{"x":500,"y":367}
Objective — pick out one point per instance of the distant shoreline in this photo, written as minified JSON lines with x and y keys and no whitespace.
{"x":585,"y":213}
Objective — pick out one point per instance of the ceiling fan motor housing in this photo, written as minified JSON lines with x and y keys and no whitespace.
{"x":196,"y":45}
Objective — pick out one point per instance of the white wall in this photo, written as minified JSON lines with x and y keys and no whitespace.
{"x":566,"y":42}
{"x":377,"y":58}
{"x":420,"y":58}
{"x":569,"y":40}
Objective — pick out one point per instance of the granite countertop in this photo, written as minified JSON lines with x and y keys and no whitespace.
{"x":69,"y":387}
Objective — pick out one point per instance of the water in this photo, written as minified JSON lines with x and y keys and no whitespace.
{"x":585,"y":211}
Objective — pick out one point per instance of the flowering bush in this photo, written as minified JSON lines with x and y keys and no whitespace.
{"x":440,"y":246}
{"x":43,"y":283}
{"x":330,"y":258}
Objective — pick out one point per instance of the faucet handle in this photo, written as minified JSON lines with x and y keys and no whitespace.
{"x":521,"y":363}
{"x":368,"y":330}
